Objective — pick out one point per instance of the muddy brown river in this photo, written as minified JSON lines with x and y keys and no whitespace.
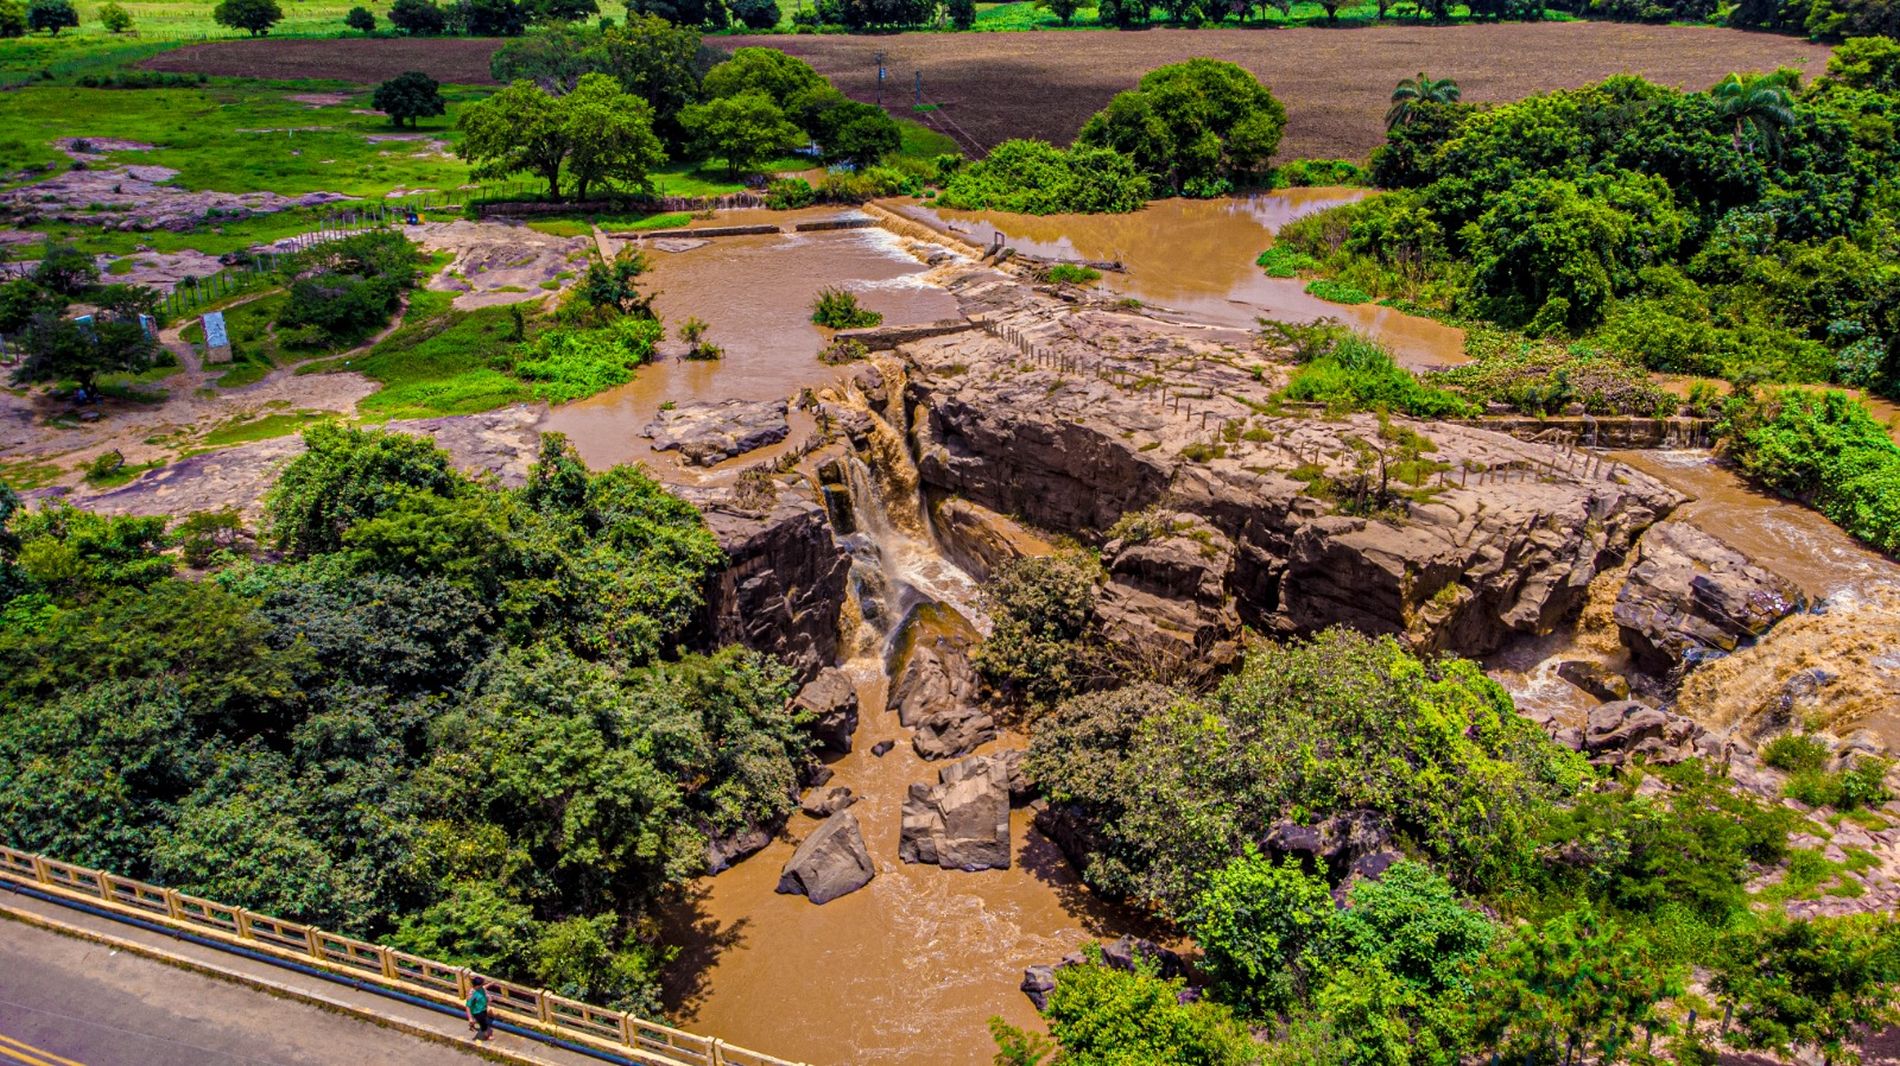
{"x":755,"y":293}
{"x":1196,"y":257}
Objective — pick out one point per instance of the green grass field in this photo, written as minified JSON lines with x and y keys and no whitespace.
{"x":437,"y":363}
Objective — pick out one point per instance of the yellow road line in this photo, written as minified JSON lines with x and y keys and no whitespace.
{"x":28,"y":1053}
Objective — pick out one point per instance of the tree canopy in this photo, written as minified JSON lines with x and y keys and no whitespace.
{"x":1199,"y":128}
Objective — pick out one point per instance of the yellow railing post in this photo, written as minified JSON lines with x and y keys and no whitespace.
{"x":388,"y":960}
{"x":243,"y":919}
{"x":313,"y":941}
{"x":171,"y":904}
{"x":39,"y":871}
{"x":718,"y":1052}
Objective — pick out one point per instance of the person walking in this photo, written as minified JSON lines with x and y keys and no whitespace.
{"x":476,"y":1006}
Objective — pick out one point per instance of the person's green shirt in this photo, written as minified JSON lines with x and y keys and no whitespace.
{"x":477,"y":1001}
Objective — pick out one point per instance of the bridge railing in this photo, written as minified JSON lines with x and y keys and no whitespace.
{"x":616,"y":1032}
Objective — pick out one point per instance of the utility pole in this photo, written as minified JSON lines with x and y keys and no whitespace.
{"x":880,"y":79}
{"x":920,"y":88}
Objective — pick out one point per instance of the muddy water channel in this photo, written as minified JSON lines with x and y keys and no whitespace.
{"x":1196,"y":257}
{"x":755,"y":292}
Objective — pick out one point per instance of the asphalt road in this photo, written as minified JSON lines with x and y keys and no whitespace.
{"x":67,"y":1002}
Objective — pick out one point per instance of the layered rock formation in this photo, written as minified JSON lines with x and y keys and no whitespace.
{"x":709,"y":432}
{"x":1087,"y":414}
{"x":832,"y":701}
{"x":934,"y":686}
{"x":1690,"y":598}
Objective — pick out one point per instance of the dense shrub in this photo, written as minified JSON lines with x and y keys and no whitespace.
{"x":1043,"y":646}
{"x":346,"y":289}
{"x":1542,"y":377}
{"x":566,"y":364}
{"x":1036,"y":178}
{"x":1342,"y":722}
{"x":835,"y":308}
{"x":1824,"y":449}
{"x":1349,"y":371}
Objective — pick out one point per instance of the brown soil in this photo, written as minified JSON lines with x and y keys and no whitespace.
{"x":1335,"y":83}
{"x":992,"y":86}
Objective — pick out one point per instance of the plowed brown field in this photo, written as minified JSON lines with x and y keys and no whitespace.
{"x":992,"y":86}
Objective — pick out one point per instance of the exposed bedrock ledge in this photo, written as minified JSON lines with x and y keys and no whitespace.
{"x":1461,"y":568}
{"x":783,"y":584}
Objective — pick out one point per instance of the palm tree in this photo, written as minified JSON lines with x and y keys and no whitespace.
{"x":1414,"y":91}
{"x":1759,"y":103}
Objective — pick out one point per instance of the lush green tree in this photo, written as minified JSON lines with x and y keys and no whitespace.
{"x":961,"y":13}
{"x":756,"y":14}
{"x":1201,"y":127}
{"x":1824,"y":449}
{"x":610,"y":134}
{"x":1578,"y":976}
{"x":611,"y":288}
{"x":65,"y":269}
{"x":115,"y":18}
{"x":1866,"y":63}
{"x":12,"y":19}
{"x":784,"y":79}
{"x":1412,"y":921}
{"x":418,"y":18}
{"x":75,"y":556}
{"x":490,"y":18}
{"x":345,"y":476}
{"x":255,"y":17}
{"x":1122,"y":14}
{"x":22,"y":300}
{"x":1761,"y":105}
{"x":59,"y":349}
{"x":1255,"y":921}
{"x":51,"y":16}
{"x":856,"y":133}
{"x":521,"y":128}
{"x":1105,"y":1017}
{"x":745,"y":130}
{"x":1344,"y":722}
{"x":408,"y":96}
{"x":1420,"y":90}
{"x":1819,"y":984}
{"x":563,"y":10}
{"x":361,"y":19}
{"x":684,"y":13}
{"x":1063,"y":10}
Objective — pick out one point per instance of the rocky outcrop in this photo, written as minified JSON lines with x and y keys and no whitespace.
{"x":1691,"y":598}
{"x":724,"y":849}
{"x":784,"y":582}
{"x":979,"y":540}
{"x":832,"y":701}
{"x":1595,"y":678}
{"x":710,"y":432}
{"x":824,"y":804}
{"x":962,"y":823}
{"x":933,"y":684}
{"x":1166,"y":596}
{"x":829,"y":863}
{"x":1125,"y":413}
{"x":1626,"y":729}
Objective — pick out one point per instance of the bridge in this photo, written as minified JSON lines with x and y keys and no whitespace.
{"x":45,"y":992}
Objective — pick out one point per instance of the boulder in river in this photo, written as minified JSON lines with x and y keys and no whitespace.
{"x":832,"y":701}
{"x":933,"y":684}
{"x":827,"y":802}
{"x":712,"y":431}
{"x":829,"y":863}
{"x":1690,"y":598}
{"x":1595,"y":678}
{"x":962,"y":823}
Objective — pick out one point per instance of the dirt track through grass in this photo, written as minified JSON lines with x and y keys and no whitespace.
{"x":992,"y":86}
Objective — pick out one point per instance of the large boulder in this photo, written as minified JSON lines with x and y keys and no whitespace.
{"x":1690,"y":598}
{"x":725,"y":849}
{"x":1334,"y":844}
{"x":934,"y":686}
{"x":829,"y":863}
{"x":823,"y":803}
{"x":930,"y":666}
{"x":710,"y":432}
{"x":1626,"y":729}
{"x":963,"y":822}
{"x":832,"y":701}
{"x":979,"y":540}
